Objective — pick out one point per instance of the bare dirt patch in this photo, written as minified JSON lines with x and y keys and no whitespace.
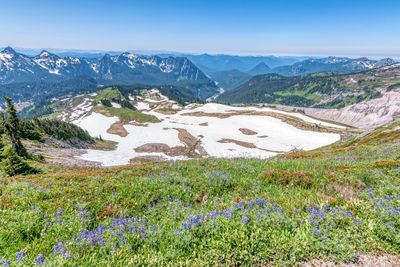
{"x":154,"y":148}
{"x":192,"y":147}
{"x":294,"y":121}
{"x":237,"y":142}
{"x":204,"y":124}
{"x":274,"y":151}
{"x":363,"y":260}
{"x":142,"y":159}
{"x":347,"y":191}
{"x":134,"y":123}
{"x":213,"y":114}
{"x":60,"y":156}
{"x":104,"y":145}
{"x":262,"y":136}
{"x":118,"y":129}
{"x":166,"y":111}
{"x":247,"y":131}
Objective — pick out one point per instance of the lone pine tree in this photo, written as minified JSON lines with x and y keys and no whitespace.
{"x":11,"y":125}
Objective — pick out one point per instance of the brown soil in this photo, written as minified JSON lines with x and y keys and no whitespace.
{"x":102,"y":111}
{"x":215,"y":115}
{"x":347,"y":191}
{"x":363,"y":260}
{"x":274,"y":151}
{"x":154,"y":148}
{"x":59,"y":156}
{"x":295,"y":122}
{"x":247,"y":131}
{"x":237,"y":142}
{"x":262,"y":136}
{"x":166,"y":111}
{"x":118,"y":129}
{"x":138,"y":124}
{"x":146,"y":159}
{"x":192,"y":147}
{"x":204,"y":124}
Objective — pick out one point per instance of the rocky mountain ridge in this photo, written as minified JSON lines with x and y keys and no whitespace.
{"x":124,"y":68}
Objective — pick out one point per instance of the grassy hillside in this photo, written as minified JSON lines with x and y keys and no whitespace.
{"x":116,"y":93}
{"x":326,"y":90}
{"x":334,"y":204}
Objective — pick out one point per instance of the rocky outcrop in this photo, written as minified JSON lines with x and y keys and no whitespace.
{"x":367,"y":114}
{"x":70,"y":143}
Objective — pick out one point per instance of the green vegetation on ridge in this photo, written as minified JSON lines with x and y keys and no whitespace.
{"x":332,"y":204}
{"x":323,"y":90}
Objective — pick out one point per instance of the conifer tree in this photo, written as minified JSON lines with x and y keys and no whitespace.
{"x":11,"y":125}
{"x":12,"y":164}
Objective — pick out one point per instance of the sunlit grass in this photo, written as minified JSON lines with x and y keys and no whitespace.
{"x":331,"y":205}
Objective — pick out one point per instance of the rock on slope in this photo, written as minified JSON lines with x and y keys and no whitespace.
{"x":367,"y":114}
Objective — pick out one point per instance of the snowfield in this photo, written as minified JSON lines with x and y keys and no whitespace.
{"x":218,"y":136}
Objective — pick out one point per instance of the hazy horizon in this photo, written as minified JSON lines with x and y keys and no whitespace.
{"x":35,"y":51}
{"x":293,"y":28}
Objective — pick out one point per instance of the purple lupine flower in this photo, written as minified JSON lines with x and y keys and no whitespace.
{"x":39,"y":259}
{"x":6,"y":263}
{"x":20,"y":256}
{"x":60,"y":212}
{"x":245,"y":220}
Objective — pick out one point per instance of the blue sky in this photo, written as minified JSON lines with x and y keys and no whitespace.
{"x":352,"y":27}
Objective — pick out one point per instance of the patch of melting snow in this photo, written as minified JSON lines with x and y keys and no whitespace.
{"x":81,"y":110}
{"x":176,"y":106}
{"x":219,"y":108}
{"x":281,"y":136}
{"x":142,"y":106}
{"x":115,"y":105}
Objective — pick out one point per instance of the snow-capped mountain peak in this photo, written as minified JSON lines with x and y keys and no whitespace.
{"x":125,"y":68}
{"x":9,"y":51}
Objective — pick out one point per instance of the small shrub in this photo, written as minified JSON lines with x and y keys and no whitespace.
{"x":12,"y":164}
{"x":106,"y":102}
{"x":288,"y":178}
{"x":387,"y":164}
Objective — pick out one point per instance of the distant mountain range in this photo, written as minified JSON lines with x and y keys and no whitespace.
{"x":324,"y":89}
{"x":125,"y":68}
{"x":335,"y":64}
{"x":230,"y":79}
{"x":260,"y":68}
{"x":214,"y":63}
{"x":245,"y":79}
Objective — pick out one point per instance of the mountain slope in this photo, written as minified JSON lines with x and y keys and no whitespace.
{"x":15,"y":67}
{"x":334,"y":64}
{"x":260,"y":68}
{"x":214,"y":63}
{"x":229,"y":79}
{"x":129,"y":68}
{"x":317,"y":90}
{"x":39,"y":91}
{"x":126,"y":68}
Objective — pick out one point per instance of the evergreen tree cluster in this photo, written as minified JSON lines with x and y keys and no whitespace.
{"x":13,"y":154}
{"x":37,"y":129}
{"x":60,"y":129}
